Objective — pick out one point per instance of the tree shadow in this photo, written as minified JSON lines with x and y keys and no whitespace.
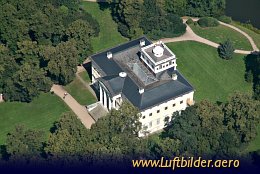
{"x":53,"y":127}
{"x":252,"y":65}
{"x":3,"y":152}
{"x":103,"y":5}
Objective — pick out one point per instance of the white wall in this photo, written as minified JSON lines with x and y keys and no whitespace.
{"x":147,"y":120}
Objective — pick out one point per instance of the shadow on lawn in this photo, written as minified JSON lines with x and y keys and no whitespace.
{"x":252,"y":74}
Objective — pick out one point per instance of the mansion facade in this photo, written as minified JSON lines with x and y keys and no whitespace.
{"x":146,"y":75}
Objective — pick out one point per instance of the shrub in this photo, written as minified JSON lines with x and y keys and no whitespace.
{"x":225,"y":19}
{"x":226,"y":50}
{"x":189,"y":21}
{"x":123,"y":29}
{"x":249,"y":26}
{"x":208,"y":22}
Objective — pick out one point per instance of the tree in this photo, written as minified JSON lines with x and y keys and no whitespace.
{"x":129,"y":14}
{"x":226,"y":50}
{"x":205,"y":8}
{"x":69,"y":141}
{"x":242,"y":113}
{"x":26,"y":84}
{"x":8,"y":66}
{"x":208,"y":22}
{"x":198,"y":129}
{"x":81,"y":31}
{"x":31,"y":28}
{"x":166,"y":148}
{"x":123,"y":121}
{"x":62,"y":62}
{"x":176,"y":6}
{"x":157,"y":23}
{"x":24,"y":145}
{"x":113,"y":137}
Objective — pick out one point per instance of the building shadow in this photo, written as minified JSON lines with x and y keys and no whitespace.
{"x":87,"y":67}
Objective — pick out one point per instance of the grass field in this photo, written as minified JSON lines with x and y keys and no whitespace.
{"x":221,"y":33}
{"x":80,"y":92}
{"x":108,"y":36}
{"x":213,"y":78}
{"x":255,"y":36}
{"x":84,"y":75}
{"x":40,"y":114}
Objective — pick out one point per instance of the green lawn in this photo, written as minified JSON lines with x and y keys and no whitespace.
{"x":213,"y":78}
{"x":77,"y":89}
{"x":221,"y":33}
{"x":40,"y":114}
{"x":108,"y":36}
{"x":255,"y":36}
{"x":84,"y":75}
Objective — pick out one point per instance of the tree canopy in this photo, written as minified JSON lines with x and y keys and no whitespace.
{"x":160,"y":18}
{"x":41,"y":42}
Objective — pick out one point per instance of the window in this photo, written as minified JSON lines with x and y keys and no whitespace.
{"x":158,"y":121}
{"x":150,"y":114}
{"x":170,"y":62}
{"x":143,"y":117}
{"x":153,"y":66}
{"x":166,"y":65}
{"x":150,"y":124}
{"x":160,"y":66}
{"x":173,"y":105}
{"x":181,"y":102}
{"x":158,"y":111}
{"x":166,"y":108}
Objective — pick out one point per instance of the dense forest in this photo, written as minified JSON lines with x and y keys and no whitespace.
{"x":160,"y":18}
{"x":41,"y":43}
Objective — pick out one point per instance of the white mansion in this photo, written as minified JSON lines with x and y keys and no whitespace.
{"x":145,"y":74}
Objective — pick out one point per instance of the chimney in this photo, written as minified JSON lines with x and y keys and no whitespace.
{"x":141,"y":90}
{"x":174,"y":76}
{"x":142,"y":42}
{"x":122,"y":74}
{"x":109,"y":55}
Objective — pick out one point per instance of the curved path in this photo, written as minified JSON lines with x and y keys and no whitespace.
{"x":78,"y":109}
{"x":191,"y":36}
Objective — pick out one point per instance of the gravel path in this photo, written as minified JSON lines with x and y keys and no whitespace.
{"x":78,"y":109}
{"x":191,"y":36}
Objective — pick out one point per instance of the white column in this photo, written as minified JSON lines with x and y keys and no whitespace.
{"x":105,"y":99}
{"x":114,"y":103}
{"x":101,"y":95}
{"x":1,"y":98}
{"x":110,"y":103}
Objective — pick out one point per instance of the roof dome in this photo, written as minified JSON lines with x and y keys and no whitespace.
{"x":158,"y":51}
